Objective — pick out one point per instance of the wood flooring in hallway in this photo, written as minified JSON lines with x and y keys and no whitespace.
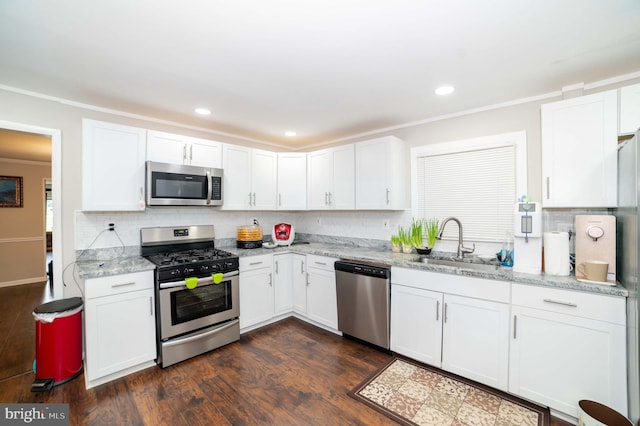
{"x":288,"y":373}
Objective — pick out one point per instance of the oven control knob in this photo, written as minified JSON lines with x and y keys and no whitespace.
{"x":204,"y":268}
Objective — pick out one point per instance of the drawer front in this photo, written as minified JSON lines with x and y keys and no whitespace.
{"x":478,"y":288}
{"x":116,"y":284}
{"x":250,"y":263}
{"x":582,"y":304}
{"x":321,"y":262}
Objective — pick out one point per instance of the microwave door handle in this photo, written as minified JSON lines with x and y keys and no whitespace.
{"x":209,"y":186}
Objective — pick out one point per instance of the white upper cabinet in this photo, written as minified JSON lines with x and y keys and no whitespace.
{"x":113,"y":160}
{"x":331,"y":178}
{"x":629,"y":113}
{"x":264,"y":175}
{"x":579,"y":151}
{"x":178,"y":149}
{"x":381,"y":174}
{"x":292,"y":181}
{"x":249,"y":178}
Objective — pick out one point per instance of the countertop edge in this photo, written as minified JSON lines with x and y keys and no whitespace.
{"x":124,"y":265}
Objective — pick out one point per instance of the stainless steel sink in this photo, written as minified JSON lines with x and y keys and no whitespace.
{"x":459,"y":264}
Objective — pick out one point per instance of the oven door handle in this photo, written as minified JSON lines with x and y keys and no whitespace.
{"x":199,"y":335}
{"x":204,"y":280}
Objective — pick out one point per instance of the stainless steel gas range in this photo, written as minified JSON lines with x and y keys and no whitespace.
{"x":197,"y":291}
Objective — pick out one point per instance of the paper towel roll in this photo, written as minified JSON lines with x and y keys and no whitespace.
{"x":556,"y":253}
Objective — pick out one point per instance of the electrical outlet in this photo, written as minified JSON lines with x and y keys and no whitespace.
{"x":385,"y":224}
{"x":109,"y":225}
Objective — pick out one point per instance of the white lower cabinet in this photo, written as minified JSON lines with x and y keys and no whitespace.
{"x":475,"y":342}
{"x":256,"y":290}
{"x":446,"y":321}
{"x":299,"y":282}
{"x":283,"y":283}
{"x":567,"y":346}
{"x":414,"y":309}
{"x":322,"y":304}
{"x":120,"y":329}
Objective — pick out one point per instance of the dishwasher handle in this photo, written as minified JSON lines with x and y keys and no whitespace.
{"x":377,"y":271}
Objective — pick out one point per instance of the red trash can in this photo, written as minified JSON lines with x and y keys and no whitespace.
{"x":58,"y":343}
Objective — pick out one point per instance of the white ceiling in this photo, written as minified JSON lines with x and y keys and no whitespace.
{"x":326,"y":69}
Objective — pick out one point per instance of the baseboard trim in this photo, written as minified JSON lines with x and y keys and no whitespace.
{"x":34,"y":280}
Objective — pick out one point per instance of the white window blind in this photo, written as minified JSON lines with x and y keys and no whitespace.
{"x":477,"y":186}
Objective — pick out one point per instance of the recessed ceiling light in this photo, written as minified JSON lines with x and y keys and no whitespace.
{"x":444,"y":90}
{"x":290,"y":133}
{"x":203,"y":111}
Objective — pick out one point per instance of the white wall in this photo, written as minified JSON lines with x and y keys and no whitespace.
{"x":51,"y":114}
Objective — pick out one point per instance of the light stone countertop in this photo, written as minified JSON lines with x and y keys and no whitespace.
{"x":117,"y":266}
{"x":387,"y":257}
{"x":123,"y":265}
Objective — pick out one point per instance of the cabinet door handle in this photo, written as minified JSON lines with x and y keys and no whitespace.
{"x":184,"y":153}
{"x":329,"y":198}
{"x":280,"y":199}
{"x":437,"y":310}
{"x":558,"y":302}
{"x":548,"y":186}
{"x":254,"y":199}
{"x":270,"y":279}
{"x":122,"y":284}
{"x":445,"y":313}
{"x":255,"y":263}
{"x":515,"y":324}
{"x":276,"y":266}
{"x":150,"y":306}
{"x":320,"y":263}
{"x":326,"y":198}
{"x":307,"y":280}
{"x":388,"y":190}
{"x":301,"y":267}
{"x":249,"y":198}
{"x":190,"y":153}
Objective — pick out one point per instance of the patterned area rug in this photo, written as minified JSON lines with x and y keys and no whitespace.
{"x":414,"y":394}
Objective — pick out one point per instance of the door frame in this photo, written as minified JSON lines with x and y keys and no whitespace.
{"x":56,"y":185}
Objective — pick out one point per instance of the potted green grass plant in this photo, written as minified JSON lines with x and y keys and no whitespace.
{"x":396,"y":244}
{"x":431,"y":227}
{"x":405,"y":239}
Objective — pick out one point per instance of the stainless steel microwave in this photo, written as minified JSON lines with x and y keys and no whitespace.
{"x":181,"y":185}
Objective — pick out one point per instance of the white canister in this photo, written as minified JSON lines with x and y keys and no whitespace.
{"x":556,"y":253}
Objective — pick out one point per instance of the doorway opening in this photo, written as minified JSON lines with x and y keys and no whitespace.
{"x":56,"y":208}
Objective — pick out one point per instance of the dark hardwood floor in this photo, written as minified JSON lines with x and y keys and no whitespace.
{"x":289,"y":373}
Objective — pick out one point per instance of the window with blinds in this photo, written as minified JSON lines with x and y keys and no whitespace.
{"x":476,"y":181}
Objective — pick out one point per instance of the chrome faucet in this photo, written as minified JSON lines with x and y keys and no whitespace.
{"x":461,"y":249}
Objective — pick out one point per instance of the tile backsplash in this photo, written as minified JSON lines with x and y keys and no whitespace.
{"x":563,"y":220}
{"x":368,"y":226}
{"x":91,"y":226}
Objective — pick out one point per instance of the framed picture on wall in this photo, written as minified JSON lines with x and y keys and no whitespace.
{"x":10,"y":191}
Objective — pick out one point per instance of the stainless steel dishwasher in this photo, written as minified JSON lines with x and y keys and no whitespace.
{"x":363,"y":293}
